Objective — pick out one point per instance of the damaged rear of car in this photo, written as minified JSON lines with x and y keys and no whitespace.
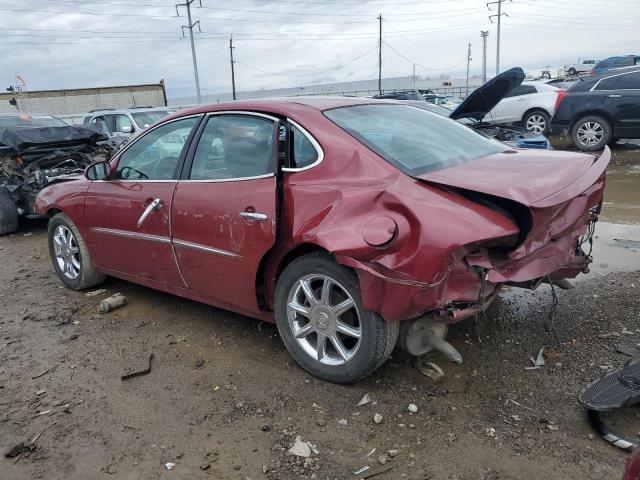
{"x":33,"y":157}
{"x":470,"y":216}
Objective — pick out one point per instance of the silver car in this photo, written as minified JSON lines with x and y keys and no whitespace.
{"x":126,"y":122}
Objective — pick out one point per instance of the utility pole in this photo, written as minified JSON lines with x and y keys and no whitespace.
{"x":233,"y":75}
{"x":484,"y":34}
{"x":468,"y":61}
{"x":499,"y":17}
{"x":190,"y":27}
{"x":414,"y":76}
{"x":380,"y":55}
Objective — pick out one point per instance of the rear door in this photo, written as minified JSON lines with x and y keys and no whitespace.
{"x":622,"y":101}
{"x":223,"y":217}
{"x":129,"y":214}
{"x":512,"y":106}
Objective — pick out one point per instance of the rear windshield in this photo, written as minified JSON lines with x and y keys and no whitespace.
{"x":414,"y":140}
{"x":30,"y":121}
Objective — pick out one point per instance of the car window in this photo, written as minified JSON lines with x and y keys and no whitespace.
{"x":620,"y":82}
{"x":234,"y":146}
{"x":623,"y":62}
{"x":413,"y":140}
{"x":156,"y":155}
{"x":101,"y":125}
{"x":303,"y":153}
{"x":521,"y":90}
{"x":145,"y":119}
{"x":122,"y":122}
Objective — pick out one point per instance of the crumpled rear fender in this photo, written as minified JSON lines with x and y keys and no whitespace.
{"x":421,"y":267}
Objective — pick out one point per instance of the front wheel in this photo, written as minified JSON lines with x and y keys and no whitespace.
{"x":323,"y":325}
{"x":591,"y":133}
{"x":537,"y":121}
{"x":70,"y":255}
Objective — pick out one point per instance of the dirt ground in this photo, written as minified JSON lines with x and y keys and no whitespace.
{"x":224,"y":400}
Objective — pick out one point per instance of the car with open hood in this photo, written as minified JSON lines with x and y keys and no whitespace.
{"x":473,"y":110}
{"x":36,"y":151}
{"x":507,"y":100}
{"x":353,"y":224}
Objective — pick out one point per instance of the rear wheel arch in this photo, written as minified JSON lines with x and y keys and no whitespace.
{"x":272,"y":266}
{"x":591,"y":113}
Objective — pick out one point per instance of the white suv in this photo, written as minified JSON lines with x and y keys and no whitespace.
{"x":531,"y":103}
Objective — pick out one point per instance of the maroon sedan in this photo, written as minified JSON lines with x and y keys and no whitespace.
{"x":350,"y":223}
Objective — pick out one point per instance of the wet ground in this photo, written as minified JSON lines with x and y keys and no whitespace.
{"x":224,"y":400}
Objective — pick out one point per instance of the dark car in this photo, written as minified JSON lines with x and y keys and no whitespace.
{"x":10,"y":120}
{"x":615,"y":62}
{"x":400,"y":95}
{"x":598,"y":110}
{"x":351,"y":223}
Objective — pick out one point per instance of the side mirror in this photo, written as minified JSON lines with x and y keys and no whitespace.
{"x":98,"y":171}
{"x":127,"y":129}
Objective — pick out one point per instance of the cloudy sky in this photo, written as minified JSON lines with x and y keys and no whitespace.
{"x":280,"y":43}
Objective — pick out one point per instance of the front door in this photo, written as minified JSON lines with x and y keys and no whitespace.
{"x":224,"y":208}
{"x":129,"y":214}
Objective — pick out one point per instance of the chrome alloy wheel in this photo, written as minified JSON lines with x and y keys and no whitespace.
{"x":324,"y":319}
{"x":536,"y":124}
{"x":590,"y":133}
{"x":66,"y":251}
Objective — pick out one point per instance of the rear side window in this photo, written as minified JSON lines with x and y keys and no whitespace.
{"x":234,"y":147}
{"x":413,"y":140}
{"x":627,"y":81}
{"x":521,"y":90}
{"x":303,"y":153}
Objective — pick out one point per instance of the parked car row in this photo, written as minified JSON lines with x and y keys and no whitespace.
{"x":126,"y":122}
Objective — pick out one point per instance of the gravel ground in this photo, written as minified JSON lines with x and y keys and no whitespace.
{"x":225,"y":400}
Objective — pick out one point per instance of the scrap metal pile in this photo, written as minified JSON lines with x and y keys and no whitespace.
{"x":32,"y":158}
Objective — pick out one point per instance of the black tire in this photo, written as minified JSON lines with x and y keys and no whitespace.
{"x":88,"y":275}
{"x":378,"y":337}
{"x":600,"y":125}
{"x":8,"y":212}
{"x":542,"y":116}
{"x":572,"y":72}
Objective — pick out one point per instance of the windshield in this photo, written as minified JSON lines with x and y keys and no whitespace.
{"x":414,"y":140}
{"x":30,"y":121}
{"x":145,"y":119}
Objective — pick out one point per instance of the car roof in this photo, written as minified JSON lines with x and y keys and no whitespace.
{"x":284,"y":104}
{"x":126,"y":110}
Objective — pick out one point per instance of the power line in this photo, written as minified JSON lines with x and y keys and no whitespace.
{"x":337,"y":67}
{"x":431,"y":69}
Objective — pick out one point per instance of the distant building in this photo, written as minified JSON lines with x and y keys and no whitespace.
{"x":73,"y":102}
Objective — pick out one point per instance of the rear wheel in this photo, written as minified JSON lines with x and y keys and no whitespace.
{"x":70,"y":255}
{"x":8,"y":213}
{"x":323,"y":325}
{"x":572,"y":72}
{"x":536,"y":121}
{"x":591,"y":133}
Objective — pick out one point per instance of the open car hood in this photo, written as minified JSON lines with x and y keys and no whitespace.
{"x":19,"y":139}
{"x":482,"y":100}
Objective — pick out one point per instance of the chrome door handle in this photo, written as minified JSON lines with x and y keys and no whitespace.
{"x":253,"y":217}
{"x":614,"y":96}
{"x":152,"y":207}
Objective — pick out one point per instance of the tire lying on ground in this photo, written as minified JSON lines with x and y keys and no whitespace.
{"x":8,"y":212}
{"x":323,"y":324}
{"x":591,"y":133}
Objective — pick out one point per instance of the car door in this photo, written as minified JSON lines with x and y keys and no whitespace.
{"x":223,"y":217}
{"x":512,"y":106}
{"x":101,"y":124}
{"x":622,"y":102}
{"x":129,"y":214}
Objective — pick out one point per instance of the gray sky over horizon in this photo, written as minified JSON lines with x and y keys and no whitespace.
{"x":285,"y":43}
